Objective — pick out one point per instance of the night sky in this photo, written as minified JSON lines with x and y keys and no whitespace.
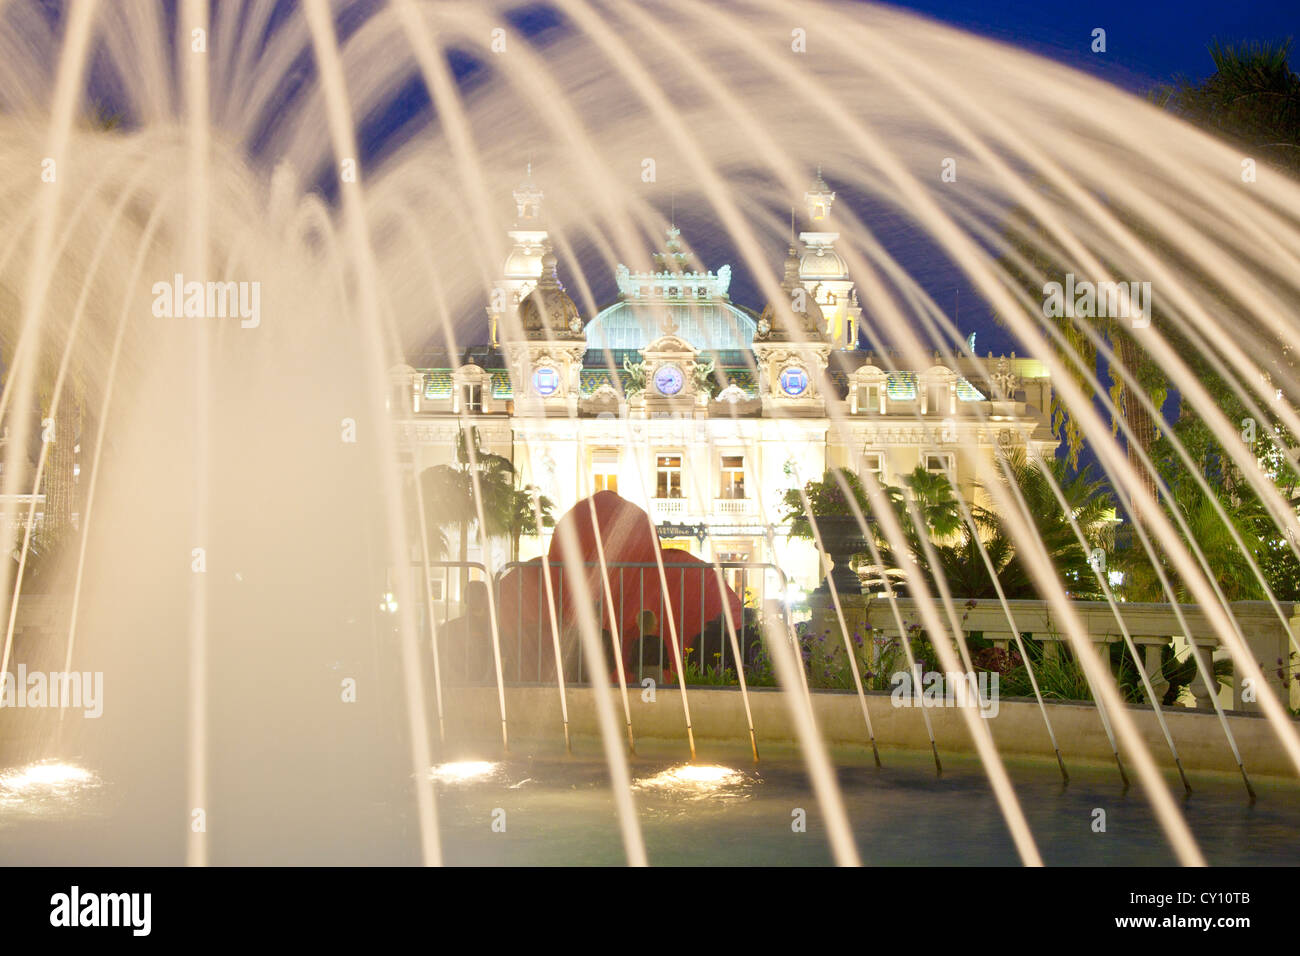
{"x":1147,"y":41}
{"x":1148,"y":44}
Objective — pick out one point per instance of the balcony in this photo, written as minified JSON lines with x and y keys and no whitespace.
{"x":667,"y":509}
{"x":735,"y":506}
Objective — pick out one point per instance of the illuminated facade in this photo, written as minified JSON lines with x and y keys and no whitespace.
{"x":700,"y":410}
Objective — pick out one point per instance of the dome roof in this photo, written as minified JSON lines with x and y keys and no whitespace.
{"x":709,"y":324}
{"x":822,"y":262}
{"x":811,"y":322}
{"x":673,"y":300}
{"x":548,"y":312}
{"x":524,"y":261}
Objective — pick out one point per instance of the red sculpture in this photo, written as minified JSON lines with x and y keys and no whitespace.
{"x":688,"y":596}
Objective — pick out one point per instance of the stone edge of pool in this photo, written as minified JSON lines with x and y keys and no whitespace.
{"x":1018,"y":729}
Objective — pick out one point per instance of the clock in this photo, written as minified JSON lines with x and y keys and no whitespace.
{"x":669,"y":379}
{"x":546,"y":381}
{"x":794,"y":381}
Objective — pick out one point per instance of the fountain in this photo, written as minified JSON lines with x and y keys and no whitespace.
{"x":251,"y":570}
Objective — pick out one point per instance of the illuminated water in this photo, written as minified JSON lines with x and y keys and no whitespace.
{"x":722,"y":811}
{"x":206,"y":615}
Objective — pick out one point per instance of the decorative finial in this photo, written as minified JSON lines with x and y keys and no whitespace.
{"x":549,"y":278}
{"x":528,"y":197}
{"x":674,"y":258}
{"x":791,"y":279}
{"x":819,"y":198}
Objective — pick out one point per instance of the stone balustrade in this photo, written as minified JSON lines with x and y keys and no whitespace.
{"x":1151,"y":626}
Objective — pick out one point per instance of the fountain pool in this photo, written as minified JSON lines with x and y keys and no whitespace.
{"x":551,"y":809}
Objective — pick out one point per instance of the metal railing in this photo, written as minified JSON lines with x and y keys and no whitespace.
{"x":638,"y":617}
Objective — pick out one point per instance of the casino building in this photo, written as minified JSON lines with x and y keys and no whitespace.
{"x":699,"y":409}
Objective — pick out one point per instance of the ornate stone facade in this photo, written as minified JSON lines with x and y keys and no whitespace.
{"x":702,"y":411}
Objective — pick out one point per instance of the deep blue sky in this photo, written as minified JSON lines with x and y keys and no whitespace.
{"x":1149,"y":42}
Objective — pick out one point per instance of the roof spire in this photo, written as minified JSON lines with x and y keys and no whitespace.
{"x":549,"y":279}
{"x":790,"y":281}
{"x":528,"y":197}
{"x":819,"y":198}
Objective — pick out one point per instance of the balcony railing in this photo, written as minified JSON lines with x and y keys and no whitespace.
{"x":664,"y":508}
{"x":1152,"y":628}
{"x":734,"y":506}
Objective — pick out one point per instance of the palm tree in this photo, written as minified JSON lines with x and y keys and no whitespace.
{"x":930,"y":497}
{"x":454,"y":493}
{"x":1226,"y":562}
{"x":1038,"y":258}
{"x":956,"y":548}
{"x":1089,"y":508}
{"x":1247,"y":516}
{"x":1252,"y":98}
{"x":525,"y":504}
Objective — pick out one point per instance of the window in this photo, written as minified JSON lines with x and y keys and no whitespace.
{"x":874,"y":462}
{"x":794,"y":381}
{"x":546,"y":380}
{"x":668,"y":478}
{"x":939,"y":464}
{"x":604,"y":469}
{"x":937,"y":398}
{"x":737,"y":578}
{"x":733,"y":477}
{"x":869,"y":398}
{"x":471,"y":399}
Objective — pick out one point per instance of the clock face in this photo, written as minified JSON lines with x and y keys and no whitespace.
{"x":669,"y":379}
{"x":546,"y":381}
{"x":794,"y":381}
